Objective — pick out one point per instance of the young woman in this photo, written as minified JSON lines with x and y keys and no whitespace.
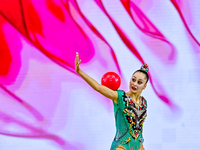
{"x":129,"y":107}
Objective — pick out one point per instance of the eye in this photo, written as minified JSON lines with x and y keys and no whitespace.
{"x":133,"y":80}
{"x":139,"y":82}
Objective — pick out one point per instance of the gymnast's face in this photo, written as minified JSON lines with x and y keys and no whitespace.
{"x":138,"y":82}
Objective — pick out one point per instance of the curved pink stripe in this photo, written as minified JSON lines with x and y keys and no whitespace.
{"x":34,"y":132}
{"x":124,"y":38}
{"x":31,"y":36}
{"x":31,"y":109}
{"x":140,"y":15}
{"x":55,"y":59}
{"x":134,"y":51}
{"x":90,"y":25}
{"x":78,"y":43}
{"x":174,"y":2}
{"x":10,"y":49}
{"x":56,"y":10}
{"x":162,"y":96}
{"x":148,"y":27}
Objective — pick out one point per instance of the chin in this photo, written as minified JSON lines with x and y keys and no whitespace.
{"x":134,"y":91}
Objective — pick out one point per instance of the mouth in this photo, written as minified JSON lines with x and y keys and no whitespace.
{"x":133,"y":88}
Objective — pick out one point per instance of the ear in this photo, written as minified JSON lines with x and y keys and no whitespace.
{"x":144,"y":86}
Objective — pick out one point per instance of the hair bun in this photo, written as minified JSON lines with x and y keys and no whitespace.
{"x":145,"y":67}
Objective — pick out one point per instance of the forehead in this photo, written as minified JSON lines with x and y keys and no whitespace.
{"x":139,"y":75}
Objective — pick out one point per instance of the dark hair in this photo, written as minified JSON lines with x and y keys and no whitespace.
{"x":143,"y":71}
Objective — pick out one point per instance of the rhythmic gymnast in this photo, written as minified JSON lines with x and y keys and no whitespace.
{"x":130,"y":108}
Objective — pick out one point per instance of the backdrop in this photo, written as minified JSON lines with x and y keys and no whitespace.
{"x":44,"y":104}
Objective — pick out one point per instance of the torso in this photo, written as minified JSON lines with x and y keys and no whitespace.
{"x":135,"y":114}
{"x":132,"y":123}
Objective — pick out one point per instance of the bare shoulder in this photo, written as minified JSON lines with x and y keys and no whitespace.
{"x":116,"y":97}
{"x":113,"y":95}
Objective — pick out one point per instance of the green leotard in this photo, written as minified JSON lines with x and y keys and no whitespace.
{"x":129,"y":119}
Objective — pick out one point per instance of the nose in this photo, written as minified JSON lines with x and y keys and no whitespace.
{"x":134,"y":83}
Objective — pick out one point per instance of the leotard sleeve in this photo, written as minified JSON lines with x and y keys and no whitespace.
{"x":121,"y":94}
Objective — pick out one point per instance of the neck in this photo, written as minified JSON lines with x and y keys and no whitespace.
{"x":134,"y":96}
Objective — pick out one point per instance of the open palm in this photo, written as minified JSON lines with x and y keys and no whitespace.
{"x":77,"y":63}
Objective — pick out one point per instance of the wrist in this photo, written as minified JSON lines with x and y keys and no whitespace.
{"x":79,"y":71}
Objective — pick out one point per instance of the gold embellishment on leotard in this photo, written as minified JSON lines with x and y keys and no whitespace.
{"x":126,"y":111}
{"x":134,"y":133}
{"x":127,"y":141}
{"x":135,"y":115}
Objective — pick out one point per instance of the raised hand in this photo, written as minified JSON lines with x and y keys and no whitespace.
{"x":94,"y":84}
{"x":77,"y":63}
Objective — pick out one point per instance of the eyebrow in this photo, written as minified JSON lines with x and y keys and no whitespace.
{"x":136,"y":78}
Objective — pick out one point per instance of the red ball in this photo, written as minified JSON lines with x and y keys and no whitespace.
{"x":111,"y":80}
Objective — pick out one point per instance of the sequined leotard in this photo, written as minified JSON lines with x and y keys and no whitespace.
{"x":129,"y":119}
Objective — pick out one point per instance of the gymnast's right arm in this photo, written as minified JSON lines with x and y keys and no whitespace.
{"x":94,"y":84}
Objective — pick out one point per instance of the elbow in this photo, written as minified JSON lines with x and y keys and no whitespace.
{"x":97,"y":87}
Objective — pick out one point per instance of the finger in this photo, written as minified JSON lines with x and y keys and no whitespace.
{"x":77,"y":55}
{"x":77,"y":58}
{"x":79,"y":63}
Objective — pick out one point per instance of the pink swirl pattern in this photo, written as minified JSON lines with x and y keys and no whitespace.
{"x":38,"y":83}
